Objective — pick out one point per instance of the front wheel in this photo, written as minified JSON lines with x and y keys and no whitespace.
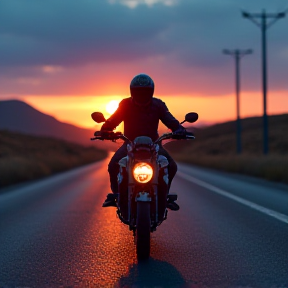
{"x":143,"y":230}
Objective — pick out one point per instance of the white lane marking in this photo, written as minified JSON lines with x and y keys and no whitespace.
{"x":272,"y":213}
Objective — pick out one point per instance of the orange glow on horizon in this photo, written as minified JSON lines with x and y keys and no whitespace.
{"x":112,"y":106}
{"x":77,"y":109}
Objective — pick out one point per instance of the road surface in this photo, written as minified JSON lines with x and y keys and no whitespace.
{"x":231,"y":231}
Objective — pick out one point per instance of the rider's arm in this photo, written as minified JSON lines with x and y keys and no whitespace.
{"x":117,"y":117}
{"x":168,"y":119}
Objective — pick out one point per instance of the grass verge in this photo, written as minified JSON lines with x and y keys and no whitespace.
{"x":215,"y":147}
{"x":272,"y":167}
{"x":25,"y":157}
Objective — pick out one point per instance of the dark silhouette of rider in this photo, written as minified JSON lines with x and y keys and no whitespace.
{"x":141,"y":114}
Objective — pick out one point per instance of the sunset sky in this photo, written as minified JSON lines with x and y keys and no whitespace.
{"x":69,"y":58}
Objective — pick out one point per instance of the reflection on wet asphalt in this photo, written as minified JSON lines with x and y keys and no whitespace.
{"x":57,"y":234}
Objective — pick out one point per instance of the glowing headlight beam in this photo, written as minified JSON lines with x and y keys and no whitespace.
{"x":142,"y":172}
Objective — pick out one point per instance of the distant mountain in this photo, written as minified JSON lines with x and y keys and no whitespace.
{"x":19,"y":116}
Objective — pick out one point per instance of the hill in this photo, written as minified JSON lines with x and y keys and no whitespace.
{"x":215,"y":147}
{"x":25,"y":157}
{"x":18,"y":116}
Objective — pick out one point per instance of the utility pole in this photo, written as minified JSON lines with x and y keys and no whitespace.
{"x":263,"y":24}
{"x":238,"y":54}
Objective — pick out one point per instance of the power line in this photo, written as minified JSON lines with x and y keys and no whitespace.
{"x":238,"y":54}
{"x":264,"y":25}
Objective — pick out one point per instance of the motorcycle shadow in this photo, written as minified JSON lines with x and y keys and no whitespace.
{"x":151,"y":273}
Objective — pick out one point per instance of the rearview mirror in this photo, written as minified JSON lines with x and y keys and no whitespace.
{"x":98,"y":117}
{"x":191,"y":117}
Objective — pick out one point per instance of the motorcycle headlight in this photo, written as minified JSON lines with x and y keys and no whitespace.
{"x":142,"y":172}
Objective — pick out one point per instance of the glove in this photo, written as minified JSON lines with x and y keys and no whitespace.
{"x":105,"y":134}
{"x":105,"y":127}
{"x":180,"y":131}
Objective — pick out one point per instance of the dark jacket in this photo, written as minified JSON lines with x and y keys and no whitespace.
{"x":141,"y":121}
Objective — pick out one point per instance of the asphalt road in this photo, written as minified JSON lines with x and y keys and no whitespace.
{"x":231,"y":231}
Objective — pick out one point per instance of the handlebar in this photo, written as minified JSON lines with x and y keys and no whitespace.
{"x":109,"y":135}
{"x":176,"y":136}
{"x":113,"y":136}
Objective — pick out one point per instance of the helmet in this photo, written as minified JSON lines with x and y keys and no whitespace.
{"x":142,"y":89}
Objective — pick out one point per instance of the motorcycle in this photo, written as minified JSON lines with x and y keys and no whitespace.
{"x":143,"y":182}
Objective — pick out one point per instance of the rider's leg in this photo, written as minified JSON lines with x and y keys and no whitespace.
{"x":113,"y":169}
{"x":162,"y":192}
{"x":172,"y":169}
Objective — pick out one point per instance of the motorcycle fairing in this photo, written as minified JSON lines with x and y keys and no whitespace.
{"x":142,"y":150}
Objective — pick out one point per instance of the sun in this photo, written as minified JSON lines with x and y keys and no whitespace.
{"x":112,"y":106}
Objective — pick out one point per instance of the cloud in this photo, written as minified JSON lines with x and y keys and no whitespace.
{"x":134,"y":3}
{"x":72,"y":38}
{"x":71,"y":32}
{"x":51,"y":69}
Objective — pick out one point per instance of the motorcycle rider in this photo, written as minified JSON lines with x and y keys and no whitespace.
{"x":141,"y":114}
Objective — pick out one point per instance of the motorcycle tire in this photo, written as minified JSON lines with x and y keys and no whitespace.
{"x":143,"y":230}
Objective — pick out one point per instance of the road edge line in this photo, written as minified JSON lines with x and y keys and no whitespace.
{"x":279,"y":216}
